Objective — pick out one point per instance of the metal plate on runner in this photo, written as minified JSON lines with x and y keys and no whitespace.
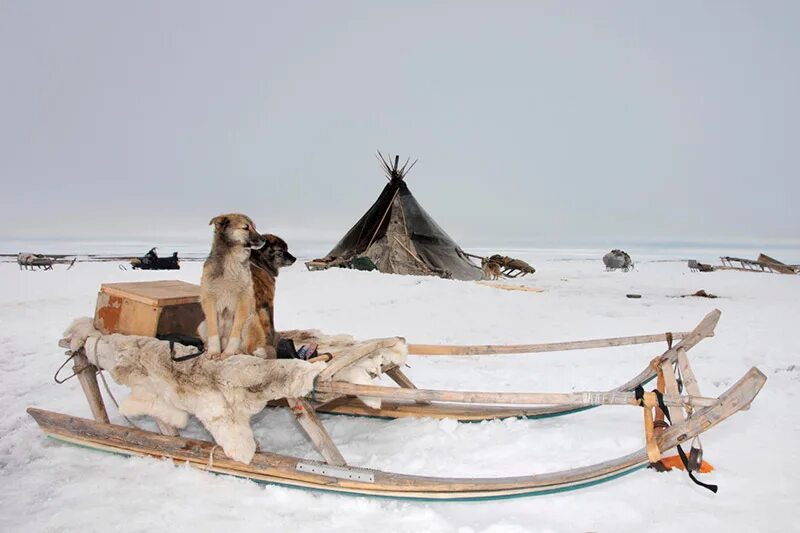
{"x":337,"y":472}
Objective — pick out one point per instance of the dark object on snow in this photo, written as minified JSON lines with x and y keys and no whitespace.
{"x":399,"y":237}
{"x":151,"y":261}
{"x":633,"y":295}
{"x":617,"y":260}
{"x":697,"y":266}
{"x":363,"y":263}
{"x":702,"y":294}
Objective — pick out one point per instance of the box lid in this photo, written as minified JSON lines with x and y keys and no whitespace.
{"x":156,"y":293}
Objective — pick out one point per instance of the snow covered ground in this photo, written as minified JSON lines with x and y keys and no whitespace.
{"x":50,"y":486}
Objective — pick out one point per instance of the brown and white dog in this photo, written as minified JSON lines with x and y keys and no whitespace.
{"x":264,"y":266}
{"x":226,"y":288}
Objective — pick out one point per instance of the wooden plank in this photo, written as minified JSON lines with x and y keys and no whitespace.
{"x":500,"y":398}
{"x":776,"y":265}
{"x":671,"y":387}
{"x":156,"y":293}
{"x":462,"y":412}
{"x":399,"y":377}
{"x":276,"y":468}
{"x":504,"y":349}
{"x":705,"y":328}
{"x":687,"y":374}
{"x":315,"y":431}
{"x":508,"y":286}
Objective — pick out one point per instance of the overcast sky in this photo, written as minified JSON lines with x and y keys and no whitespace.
{"x":532,"y":120}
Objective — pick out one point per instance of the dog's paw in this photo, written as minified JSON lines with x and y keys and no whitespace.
{"x":232,"y":348}
{"x":260,"y":352}
{"x":213,"y":348}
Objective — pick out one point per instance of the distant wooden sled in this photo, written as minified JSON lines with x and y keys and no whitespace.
{"x":692,"y":414}
{"x":28,"y":261}
{"x":764,"y":263}
{"x":508,"y":266}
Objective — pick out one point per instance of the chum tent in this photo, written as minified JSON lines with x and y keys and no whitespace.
{"x":399,"y":237}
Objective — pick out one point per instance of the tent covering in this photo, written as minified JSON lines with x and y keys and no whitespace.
{"x":401,"y":238}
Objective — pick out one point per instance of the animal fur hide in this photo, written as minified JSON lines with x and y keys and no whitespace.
{"x":363,"y":371}
{"x":222,"y":394}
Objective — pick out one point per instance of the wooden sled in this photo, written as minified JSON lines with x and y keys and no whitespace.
{"x":339,"y":398}
{"x":764,"y":263}
{"x":336,"y":477}
{"x":692,"y":414}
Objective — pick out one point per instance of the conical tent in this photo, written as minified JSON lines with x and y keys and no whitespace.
{"x":401,"y":238}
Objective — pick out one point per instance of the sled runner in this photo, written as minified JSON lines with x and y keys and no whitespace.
{"x":677,"y":399}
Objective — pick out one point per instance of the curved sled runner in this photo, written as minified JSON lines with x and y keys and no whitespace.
{"x":285,"y":470}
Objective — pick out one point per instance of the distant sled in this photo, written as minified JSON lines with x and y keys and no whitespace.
{"x":151,"y":261}
{"x":29,"y":261}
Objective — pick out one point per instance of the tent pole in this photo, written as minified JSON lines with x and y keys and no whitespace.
{"x":382,"y":219}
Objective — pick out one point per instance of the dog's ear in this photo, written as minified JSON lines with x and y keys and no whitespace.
{"x":219,"y":222}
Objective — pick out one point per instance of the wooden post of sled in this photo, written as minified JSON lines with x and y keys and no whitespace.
{"x":309,"y":422}
{"x":399,"y":377}
{"x":87,"y":376}
{"x":166,"y":429}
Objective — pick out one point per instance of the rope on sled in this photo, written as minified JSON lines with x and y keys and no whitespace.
{"x":210,"y":463}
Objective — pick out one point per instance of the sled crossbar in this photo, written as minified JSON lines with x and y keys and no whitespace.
{"x":501,"y":398}
{"x":507,"y":349}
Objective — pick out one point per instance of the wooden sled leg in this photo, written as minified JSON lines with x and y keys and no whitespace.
{"x":87,"y":375}
{"x":309,"y":421}
{"x":399,"y":377}
{"x":671,"y":387}
{"x":166,"y":429}
{"x":689,"y":381}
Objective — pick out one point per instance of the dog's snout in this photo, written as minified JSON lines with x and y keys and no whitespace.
{"x":289,"y":259}
{"x":256,"y":240}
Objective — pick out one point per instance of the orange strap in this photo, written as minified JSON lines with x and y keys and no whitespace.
{"x":674,"y":461}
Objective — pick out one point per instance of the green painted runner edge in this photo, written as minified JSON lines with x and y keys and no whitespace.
{"x":345,"y":492}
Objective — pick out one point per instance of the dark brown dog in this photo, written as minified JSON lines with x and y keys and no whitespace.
{"x":264,"y":266}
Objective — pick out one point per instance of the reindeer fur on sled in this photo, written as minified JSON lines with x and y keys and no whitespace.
{"x":222,"y":394}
